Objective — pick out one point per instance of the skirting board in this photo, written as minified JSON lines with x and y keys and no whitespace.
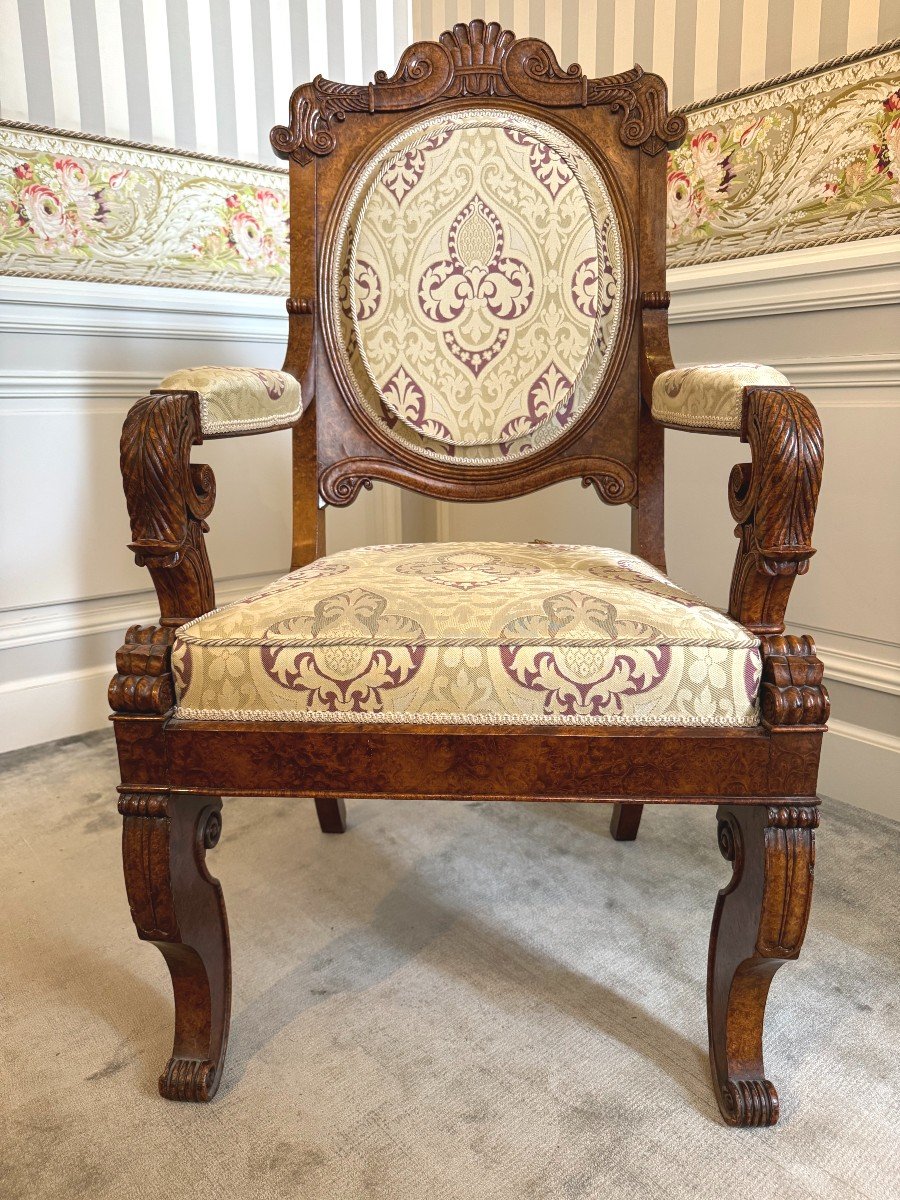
{"x":859,"y":766}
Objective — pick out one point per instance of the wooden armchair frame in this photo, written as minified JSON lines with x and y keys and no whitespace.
{"x":763,"y":779}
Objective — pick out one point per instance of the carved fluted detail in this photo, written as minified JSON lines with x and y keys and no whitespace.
{"x":478,"y":59}
{"x":773,"y":499}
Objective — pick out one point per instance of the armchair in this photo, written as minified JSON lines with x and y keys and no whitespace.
{"x":477,"y":310}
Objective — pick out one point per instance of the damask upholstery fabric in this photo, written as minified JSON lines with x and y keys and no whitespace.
{"x":239,"y":399}
{"x":476,"y":293}
{"x":471,"y":633}
{"x":709,"y":396}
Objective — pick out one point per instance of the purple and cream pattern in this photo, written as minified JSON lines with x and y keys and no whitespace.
{"x":470,"y":633}
{"x":476,"y":293}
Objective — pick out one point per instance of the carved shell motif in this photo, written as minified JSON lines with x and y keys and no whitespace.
{"x":479,"y":59}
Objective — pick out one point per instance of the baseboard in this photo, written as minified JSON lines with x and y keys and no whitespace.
{"x":47,"y":707}
{"x":861,"y":766}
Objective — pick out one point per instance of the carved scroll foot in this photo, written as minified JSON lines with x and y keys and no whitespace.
{"x":177,"y":905}
{"x":625,"y":821}
{"x":332,"y":814}
{"x":759,"y":923}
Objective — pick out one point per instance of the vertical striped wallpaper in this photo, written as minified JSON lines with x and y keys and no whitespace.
{"x":215,"y":75}
{"x":702,"y":47}
{"x":209,"y":75}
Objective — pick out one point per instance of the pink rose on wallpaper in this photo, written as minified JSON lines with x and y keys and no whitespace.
{"x":73,"y":179}
{"x":118,"y":178}
{"x":245,"y":234}
{"x":271,"y":208}
{"x":23,"y":171}
{"x":681,"y":207}
{"x":706,"y":152}
{"x":44,"y":211}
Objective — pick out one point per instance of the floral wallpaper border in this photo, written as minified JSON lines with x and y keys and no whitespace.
{"x":78,"y":207}
{"x":809,"y":160}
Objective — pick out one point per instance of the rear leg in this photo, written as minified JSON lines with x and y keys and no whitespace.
{"x":625,"y":821}
{"x":332,"y":814}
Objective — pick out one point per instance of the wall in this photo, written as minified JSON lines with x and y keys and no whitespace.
{"x":702,"y":47}
{"x":214,"y":75}
{"x":210,"y":75}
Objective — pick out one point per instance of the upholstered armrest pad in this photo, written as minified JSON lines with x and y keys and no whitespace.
{"x":239,"y":399}
{"x":710,"y":396}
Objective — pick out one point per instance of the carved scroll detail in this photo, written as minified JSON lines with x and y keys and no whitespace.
{"x":342,"y":489}
{"x":792,"y":691}
{"x":479,"y":59}
{"x":759,"y":923}
{"x":143,"y":683}
{"x":615,"y":483}
{"x":773,"y":499}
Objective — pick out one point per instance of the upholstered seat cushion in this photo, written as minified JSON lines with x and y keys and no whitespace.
{"x":470,"y":633}
{"x":239,"y":399}
{"x":709,"y":396}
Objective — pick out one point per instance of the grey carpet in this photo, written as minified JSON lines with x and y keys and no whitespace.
{"x":451,"y":1000}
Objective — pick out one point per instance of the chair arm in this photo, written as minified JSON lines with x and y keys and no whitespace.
{"x":238,"y":400}
{"x":708,"y":398}
{"x":168,"y":497}
{"x":773,"y":500}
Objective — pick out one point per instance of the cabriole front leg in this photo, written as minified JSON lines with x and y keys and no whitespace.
{"x":178,"y":906}
{"x":759,"y":923}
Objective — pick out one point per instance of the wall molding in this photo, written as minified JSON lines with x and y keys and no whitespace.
{"x":69,"y":619}
{"x":851,"y":658}
{"x":856,"y":275}
{"x":80,"y":309}
{"x":862,"y":767}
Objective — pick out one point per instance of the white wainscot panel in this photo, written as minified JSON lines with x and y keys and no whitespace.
{"x":74,"y":357}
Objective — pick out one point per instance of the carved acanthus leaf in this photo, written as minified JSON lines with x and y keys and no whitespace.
{"x":773,"y":498}
{"x":479,"y":59}
{"x":169,"y":499}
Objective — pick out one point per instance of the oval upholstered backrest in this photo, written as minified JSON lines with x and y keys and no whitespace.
{"x":475,"y":293}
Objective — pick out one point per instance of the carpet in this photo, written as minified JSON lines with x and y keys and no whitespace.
{"x":450,"y":1000}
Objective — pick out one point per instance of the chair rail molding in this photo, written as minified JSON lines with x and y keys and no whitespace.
{"x":853,"y":275}
{"x":83,"y":309}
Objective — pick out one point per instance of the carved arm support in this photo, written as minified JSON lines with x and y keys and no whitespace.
{"x":169,"y":499}
{"x":772,"y":498}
